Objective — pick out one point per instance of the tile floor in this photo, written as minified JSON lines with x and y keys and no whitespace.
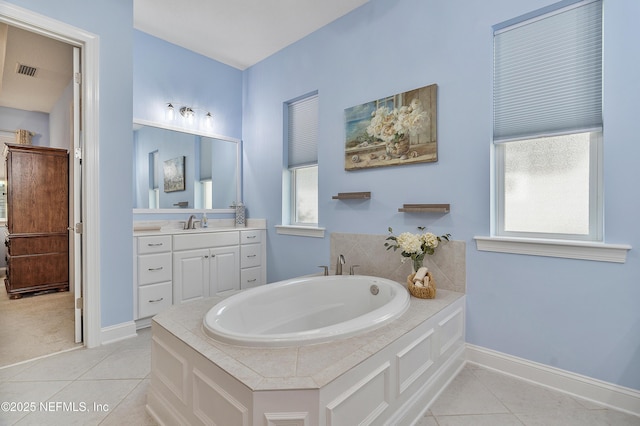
{"x":107,"y":386}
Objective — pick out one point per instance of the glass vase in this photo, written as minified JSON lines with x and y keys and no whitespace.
{"x":417,"y":262}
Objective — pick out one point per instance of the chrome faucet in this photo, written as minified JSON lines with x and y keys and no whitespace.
{"x":351,"y":270}
{"x":339,"y":264}
{"x":190,"y":223}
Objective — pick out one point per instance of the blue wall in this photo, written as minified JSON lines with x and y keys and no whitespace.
{"x":580,"y":316}
{"x":164,"y":72}
{"x":112,"y":21}
{"x":38,"y":122}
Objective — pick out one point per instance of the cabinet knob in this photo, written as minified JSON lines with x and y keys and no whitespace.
{"x":156,"y":300}
{"x":206,"y":256}
{"x":157,"y":269}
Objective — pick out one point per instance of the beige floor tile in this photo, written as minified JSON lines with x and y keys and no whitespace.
{"x":121,"y":364}
{"x":82,"y":403}
{"x":427,"y":421}
{"x":64,"y":366}
{"x":578,"y":417}
{"x":523,"y":397}
{"x":479,"y":420}
{"x":26,"y":398}
{"x":466,"y":395}
{"x":131,"y":411}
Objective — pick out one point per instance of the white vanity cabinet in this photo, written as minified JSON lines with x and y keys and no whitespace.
{"x":152,"y":275}
{"x":212,"y":268}
{"x":174,"y":268}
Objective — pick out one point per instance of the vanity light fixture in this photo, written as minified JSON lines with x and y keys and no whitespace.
{"x":188,"y":113}
{"x":169,"y":113}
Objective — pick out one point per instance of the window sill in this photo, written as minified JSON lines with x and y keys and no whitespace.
{"x":300,"y":231}
{"x":555,"y":248}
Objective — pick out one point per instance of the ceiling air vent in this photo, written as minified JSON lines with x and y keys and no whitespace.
{"x":26,"y":70}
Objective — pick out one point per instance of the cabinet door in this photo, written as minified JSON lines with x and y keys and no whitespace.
{"x":37,"y":189}
{"x":190,"y":275}
{"x":224,"y":269}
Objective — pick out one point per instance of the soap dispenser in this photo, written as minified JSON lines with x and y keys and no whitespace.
{"x":205,"y":221}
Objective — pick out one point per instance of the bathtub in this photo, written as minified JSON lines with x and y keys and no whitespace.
{"x":306,"y":310}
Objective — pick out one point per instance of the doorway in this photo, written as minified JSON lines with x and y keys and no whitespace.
{"x":90,"y":88}
{"x":90,"y":237}
{"x":40,"y":95}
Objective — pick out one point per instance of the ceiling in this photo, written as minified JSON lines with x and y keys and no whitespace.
{"x":53,"y":63}
{"x":238,"y":33}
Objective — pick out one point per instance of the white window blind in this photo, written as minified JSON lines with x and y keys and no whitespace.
{"x":303,"y":132}
{"x":548,"y":74}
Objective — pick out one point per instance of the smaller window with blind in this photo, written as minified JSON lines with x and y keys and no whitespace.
{"x":301,"y":180}
{"x":547,"y":126}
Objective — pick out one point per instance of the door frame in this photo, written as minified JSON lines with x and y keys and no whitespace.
{"x":90,"y":137}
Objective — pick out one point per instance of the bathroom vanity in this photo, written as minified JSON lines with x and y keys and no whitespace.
{"x":174,"y":266}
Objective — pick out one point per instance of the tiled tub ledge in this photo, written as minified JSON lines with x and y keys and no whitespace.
{"x":386,"y":376}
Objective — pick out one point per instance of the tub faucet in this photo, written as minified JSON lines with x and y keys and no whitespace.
{"x":339,"y":264}
{"x":190,"y":223}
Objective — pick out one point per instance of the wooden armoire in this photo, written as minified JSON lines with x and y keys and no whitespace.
{"x":37,"y":219}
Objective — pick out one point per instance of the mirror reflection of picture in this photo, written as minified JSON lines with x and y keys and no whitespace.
{"x":174,"y":175}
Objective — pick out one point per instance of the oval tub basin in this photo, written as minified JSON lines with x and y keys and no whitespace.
{"x":306,"y":310}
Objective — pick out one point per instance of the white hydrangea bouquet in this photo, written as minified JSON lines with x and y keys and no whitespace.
{"x":390,"y":125}
{"x":415,"y":246}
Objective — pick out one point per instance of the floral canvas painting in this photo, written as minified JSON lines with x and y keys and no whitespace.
{"x":392,"y":131}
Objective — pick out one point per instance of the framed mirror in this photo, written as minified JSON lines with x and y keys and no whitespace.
{"x":176,"y":170}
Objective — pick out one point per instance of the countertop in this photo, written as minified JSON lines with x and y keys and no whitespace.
{"x":175,"y":228}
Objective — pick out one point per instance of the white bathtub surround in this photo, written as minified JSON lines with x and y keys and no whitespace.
{"x":387,"y":375}
{"x":306,"y":310}
{"x":448,"y":264}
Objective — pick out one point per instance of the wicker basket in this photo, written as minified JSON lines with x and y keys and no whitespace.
{"x":428,"y":292}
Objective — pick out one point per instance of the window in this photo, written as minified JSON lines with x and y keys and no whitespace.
{"x":301,"y":182}
{"x":154,"y":180}
{"x":548,"y":124}
{"x":206,"y":193}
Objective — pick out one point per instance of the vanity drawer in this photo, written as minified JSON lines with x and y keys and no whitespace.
{"x":154,"y":298}
{"x":154,"y":244}
{"x":250,"y":255}
{"x":205,"y":240}
{"x":252,"y":236}
{"x":250,"y":277}
{"x":154,"y":268}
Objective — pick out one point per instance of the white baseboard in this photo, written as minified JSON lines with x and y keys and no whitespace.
{"x":600,"y":392}
{"x":117,"y":332}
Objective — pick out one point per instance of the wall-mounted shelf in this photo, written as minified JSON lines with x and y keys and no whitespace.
{"x":425,"y":208}
{"x":352,"y":196}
